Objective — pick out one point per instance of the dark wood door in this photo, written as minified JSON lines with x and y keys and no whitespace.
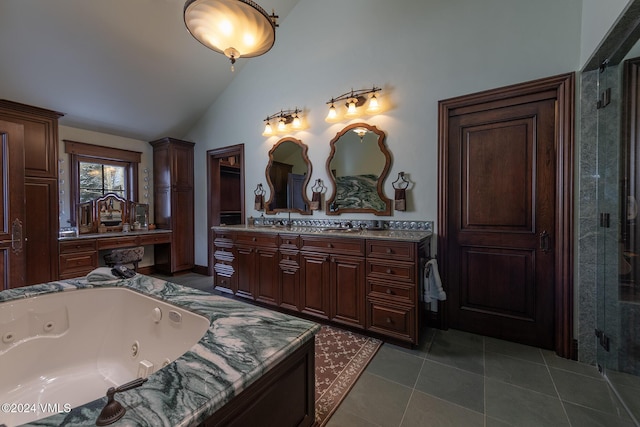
{"x":12,"y":253}
{"x":501,"y":220}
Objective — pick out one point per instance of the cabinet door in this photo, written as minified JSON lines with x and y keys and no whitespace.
{"x":315,"y":284}
{"x":289,"y":271}
{"x":182,"y":225}
{"x":347,"y":290}
{"x":12,"y":251}
{"x":41,"y":231}
{"x":267,"y":275}
{"x":245,"y":256}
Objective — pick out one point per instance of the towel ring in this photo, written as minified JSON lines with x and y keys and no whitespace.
{"x":259,"y":191}
{"x":401,"y":183}
{"x":319,"y":187}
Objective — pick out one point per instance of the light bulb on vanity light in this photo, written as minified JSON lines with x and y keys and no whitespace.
{"x":296,"y":124}
{"x":268,"y":131}
{"x":282,"y":125}
{"x":352,"y":109}
{"x":332,"y":113}
{"x":374,"y":106}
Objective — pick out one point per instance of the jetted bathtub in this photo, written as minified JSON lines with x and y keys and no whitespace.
{"x":61,"y":350}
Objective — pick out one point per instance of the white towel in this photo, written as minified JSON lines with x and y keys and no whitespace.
{"x":433,"y":291}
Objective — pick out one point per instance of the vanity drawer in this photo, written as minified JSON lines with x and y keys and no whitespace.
{"x":77,"y":246}
{"x":257,"y":239}
{"x":332,"y":245}
{"x":391,"y":320}
{"x":391,"y":291}
{"x":403,"y":251}
{"x":383,"y":269}
{"x":77,"y":264}
{"x":289,"y":241}
{"x":154,"y":239}
{"x":116,"y":242}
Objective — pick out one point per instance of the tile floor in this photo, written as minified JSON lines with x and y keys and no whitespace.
{"x":459,"y":379}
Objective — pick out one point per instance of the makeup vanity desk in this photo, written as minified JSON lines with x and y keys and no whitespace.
{"x":79,"y":254}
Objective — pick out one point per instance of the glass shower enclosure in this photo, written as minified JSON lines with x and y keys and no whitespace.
{"x":611,"y":115}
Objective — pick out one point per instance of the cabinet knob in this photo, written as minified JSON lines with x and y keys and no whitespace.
{"x":254,"y":239}
{"x":388,"y":271}
{"x":389,"y":251}
{"x":389,"y":291}
{"x":329,"y":245}
{"x":287,"y":257}
{"x":288,"y":242}
{"x":388,"y":320}
{"x":223,"y":282}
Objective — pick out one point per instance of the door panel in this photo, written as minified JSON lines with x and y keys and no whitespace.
{"x":12,"y":253}
{"x":502,"y":167}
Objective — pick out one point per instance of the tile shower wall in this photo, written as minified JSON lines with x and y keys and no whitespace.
{"x":587,"y":218}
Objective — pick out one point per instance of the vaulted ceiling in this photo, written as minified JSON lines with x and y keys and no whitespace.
{"x":124,"y":67}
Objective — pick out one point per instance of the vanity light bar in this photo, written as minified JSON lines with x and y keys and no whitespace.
{"x":282,"y":120}
{"x":354,"y":99}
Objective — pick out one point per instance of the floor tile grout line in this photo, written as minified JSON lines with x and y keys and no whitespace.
{"x":564,"y":409}
{"x":413,"y":390}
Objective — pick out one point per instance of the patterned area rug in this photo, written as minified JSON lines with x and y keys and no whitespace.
{"x":341,"y":357}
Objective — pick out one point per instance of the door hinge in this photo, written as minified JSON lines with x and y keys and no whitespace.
{"x":605,"y":98}
{"x":605,"y":219}
{"x":603,"y":339}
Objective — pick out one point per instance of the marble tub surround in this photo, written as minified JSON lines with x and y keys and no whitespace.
{"x":242,"y":343}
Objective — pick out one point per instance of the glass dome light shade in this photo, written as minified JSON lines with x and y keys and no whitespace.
{"x":236,"y":28}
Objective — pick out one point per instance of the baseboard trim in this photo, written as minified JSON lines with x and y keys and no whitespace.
{"x":201,"y":269}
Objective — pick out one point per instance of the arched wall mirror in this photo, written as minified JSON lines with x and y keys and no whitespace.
{"x":288,"y":173}
{"x":357,"y":166}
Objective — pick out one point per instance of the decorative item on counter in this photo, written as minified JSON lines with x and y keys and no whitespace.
{"x":126,"y":228}
{"x":259,"y":199}
{"x":316,"y":199}
{"x":400,"y":185}
{"x":102,"y":228}
{"x":152,"y":226}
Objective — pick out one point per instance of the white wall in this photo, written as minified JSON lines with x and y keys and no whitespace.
{"x":419,"y":51}
{"x":598,"y":16}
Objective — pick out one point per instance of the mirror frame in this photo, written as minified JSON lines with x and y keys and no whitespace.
{"x":90,"y":226}
{"x":305,"y":184}
{"x":105,"y":199}
{"x":381,"y":178}
{"x":133,"y":214}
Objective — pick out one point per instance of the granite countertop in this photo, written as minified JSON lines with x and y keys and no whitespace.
{"x":112,"y":234}
{"x":388,"y":234}
{"x":242,"y":343}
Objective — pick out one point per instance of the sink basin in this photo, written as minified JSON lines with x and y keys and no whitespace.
{"x":342,"y":230}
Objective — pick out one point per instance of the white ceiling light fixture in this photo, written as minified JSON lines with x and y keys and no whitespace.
{"x":235,"y":28}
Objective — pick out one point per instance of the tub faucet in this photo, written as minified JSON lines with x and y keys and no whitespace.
{"x":113,"y":410}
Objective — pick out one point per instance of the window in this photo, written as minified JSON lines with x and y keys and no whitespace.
{"x":97,"y":170}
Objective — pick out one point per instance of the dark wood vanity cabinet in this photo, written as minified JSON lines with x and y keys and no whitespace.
{"x":393,"y":278}
{"x":257,"y":261}
{"x":369,"y":284}
{"x":173,"y":202}
{"x":334,"y":278}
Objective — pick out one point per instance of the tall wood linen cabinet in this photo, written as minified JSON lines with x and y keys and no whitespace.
{"x":173,"y":202}
{"x":30,"y":167}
